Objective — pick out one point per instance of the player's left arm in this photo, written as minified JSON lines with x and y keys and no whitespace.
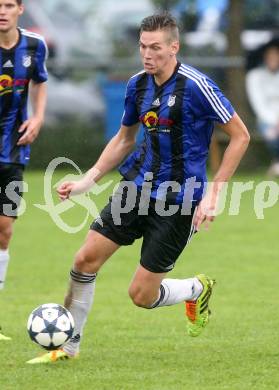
{"x":239,"y":140}
{"x":31,"y":127}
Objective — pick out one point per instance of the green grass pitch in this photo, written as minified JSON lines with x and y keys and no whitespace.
{"x":125,"y":347}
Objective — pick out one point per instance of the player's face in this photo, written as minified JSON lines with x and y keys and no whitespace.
{"x":272,"y":59}
{"x":9,"y":14}
{"x":157,"y":51}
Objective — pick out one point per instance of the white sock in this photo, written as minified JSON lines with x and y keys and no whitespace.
{"x":79,"y":301}
{"x":174,"y":291}
{"x":4,"y":261}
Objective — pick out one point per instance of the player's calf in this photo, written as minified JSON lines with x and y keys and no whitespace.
{"x":6,"y":232}
{"x":141,"y":299}
{"x":86,"y":262}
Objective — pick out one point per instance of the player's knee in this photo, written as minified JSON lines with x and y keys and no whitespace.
{"x":140,"y":298}
{"x":86,"y":262}
{"x":5,"y":237}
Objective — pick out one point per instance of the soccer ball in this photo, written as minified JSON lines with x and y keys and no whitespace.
{"x":50,"y":325}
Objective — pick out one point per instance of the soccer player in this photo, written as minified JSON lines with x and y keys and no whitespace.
{"x":22,"y":64}
{"x":177,"y":106}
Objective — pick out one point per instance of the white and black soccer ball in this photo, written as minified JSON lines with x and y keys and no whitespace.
{"x":50,"y":325}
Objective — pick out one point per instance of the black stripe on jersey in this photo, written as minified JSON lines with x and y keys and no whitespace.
{"x":176,"y":135}
{"x":176,"y":114}
{"x":6,"y":100}
{"x":141,"y":85}
{"x":155,"y":143}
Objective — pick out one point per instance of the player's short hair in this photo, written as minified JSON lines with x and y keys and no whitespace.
{"x":273,"y":44}
{"x":19,"y":2}
{"x":162,"y":21}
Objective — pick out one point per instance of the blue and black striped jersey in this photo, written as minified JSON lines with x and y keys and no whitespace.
{"x":178,"y":119}
{"x":18,"y":65}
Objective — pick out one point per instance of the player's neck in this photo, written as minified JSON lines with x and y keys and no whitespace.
{"x":9,"y":38}
{"x":166,"y":73}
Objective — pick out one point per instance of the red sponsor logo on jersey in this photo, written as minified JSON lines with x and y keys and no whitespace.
{"x":151,"y":120}
{"x":10,"y":85}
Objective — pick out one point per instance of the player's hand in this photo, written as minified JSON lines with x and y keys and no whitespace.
{"x":207,"y":209}
{"x":69,"y":188}
{"x":65,"y":189}
{"x":30,"y":129}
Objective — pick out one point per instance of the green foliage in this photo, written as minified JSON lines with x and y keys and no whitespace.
{"x":78,"y":141}
{"x":127,"y":348}
{"x":164,"y":4}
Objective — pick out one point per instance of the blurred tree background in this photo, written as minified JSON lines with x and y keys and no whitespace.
{"x":164,"y":4}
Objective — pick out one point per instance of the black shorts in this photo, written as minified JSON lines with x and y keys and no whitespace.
{"x":10,"y":194}
{"x":164,"y":237}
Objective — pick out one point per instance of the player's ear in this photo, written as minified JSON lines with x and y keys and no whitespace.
{"x":174,"y":48}
{"x":21,"y":9}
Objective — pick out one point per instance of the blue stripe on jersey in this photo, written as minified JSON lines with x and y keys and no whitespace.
{"x":127,"y":165}
{"x":147,"y":163}
{"x":130,"y":161}
{"x":41,"y":54}
{"x":19,"y":73}
{"x":197,"y":170}
{"x":1,"y":101}
{"x":180,"y":195}
{"x":4,"y":135}
{"x":24,"y":150}
{"x":146,"y":166}
{"x":164,"y":173}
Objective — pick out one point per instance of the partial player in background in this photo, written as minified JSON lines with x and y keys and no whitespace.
{"x":177,"y":106}
{"x":263,"y":92}
{"x":22,"y":70}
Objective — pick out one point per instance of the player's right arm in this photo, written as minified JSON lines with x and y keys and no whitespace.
{"x":115,"y":151}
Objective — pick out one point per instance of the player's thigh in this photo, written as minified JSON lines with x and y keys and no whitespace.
{"x":94,"y":252}
{"x":6,"y":223}
{"x":145,"y":285}
{"x":164,"y":239}
{"x":11,"y":182}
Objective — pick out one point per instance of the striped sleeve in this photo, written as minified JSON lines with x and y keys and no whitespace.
{"x":207,"y":101}
{"x":40,"y":73}
{"x":130,"y":116}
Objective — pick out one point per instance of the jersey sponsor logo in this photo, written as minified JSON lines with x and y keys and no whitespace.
{"x":8,"y":64}
{"x":153,"y":122}
{"x":10,"y":85}
{"x":171,"y":101}
{"x":150,"y":119}
{"x":26,"y":61}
